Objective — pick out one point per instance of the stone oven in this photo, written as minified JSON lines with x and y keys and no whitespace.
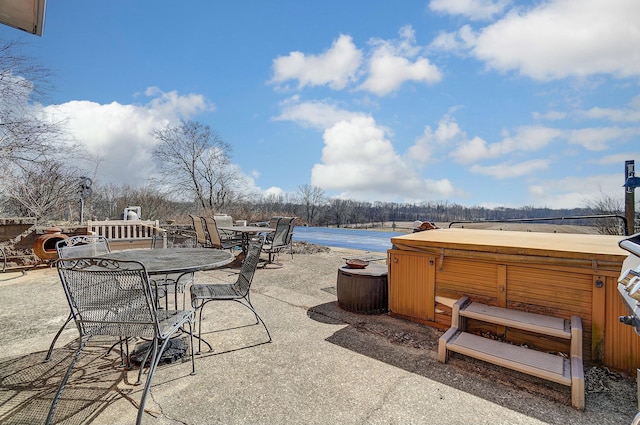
{"x":45,"y":245}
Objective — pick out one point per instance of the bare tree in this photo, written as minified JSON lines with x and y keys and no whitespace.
{"x":26,"y":135}
{"x":45,"y":190}
{"x":109,"y":201}
{"x":338,"y":211}
{"x":193,"y":160}
{"x":604,"y":205}
{"x":311,"y":197}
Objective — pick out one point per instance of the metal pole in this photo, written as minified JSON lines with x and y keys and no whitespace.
{"x":629,"y":197}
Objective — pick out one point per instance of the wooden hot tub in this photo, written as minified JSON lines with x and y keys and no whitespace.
{"x":547,"y":273}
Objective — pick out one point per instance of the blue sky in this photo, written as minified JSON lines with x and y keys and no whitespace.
{"x":477,"y":102}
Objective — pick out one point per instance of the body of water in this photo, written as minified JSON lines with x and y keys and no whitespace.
{"x":365,"y":240}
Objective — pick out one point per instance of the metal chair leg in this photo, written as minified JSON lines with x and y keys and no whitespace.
{"x":55,"y":338}
{"x":152,"y":368}
{"x":56,"y":398}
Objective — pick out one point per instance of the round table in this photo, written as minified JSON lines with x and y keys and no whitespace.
{"x":363,"y":290}
{"x":175,"y":260}
{"x":168,"y":261}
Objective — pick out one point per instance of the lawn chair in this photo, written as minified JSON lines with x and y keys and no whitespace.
{"x":201,"y":293}
{"x":282,"y":238}
{"x":115,"y":298}
{"x":224,"y":221}
{"x":77,"y":246}
{"x":214,"y":236}
{"x":201,"y":235}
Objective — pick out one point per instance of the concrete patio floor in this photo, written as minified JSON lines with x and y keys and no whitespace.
{"x":324,"y":366}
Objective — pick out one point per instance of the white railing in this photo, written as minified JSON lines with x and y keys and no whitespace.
{"x":125,"y":229}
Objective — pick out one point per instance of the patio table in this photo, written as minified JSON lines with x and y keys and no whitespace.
{"x":173,"y":261}
{"x":169,"y":261}
{"x":246,"y":232}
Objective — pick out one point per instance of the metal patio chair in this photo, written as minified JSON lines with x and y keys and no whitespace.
{"x":82,"y":246}
{"x":282,"y":239}
{"x":224,"y":221}
{"x":201,"y":234}
{"x":77,"y":246}
{"x":214,"y":236}
{"x":115,"y":298}
{"x":203,"y":293}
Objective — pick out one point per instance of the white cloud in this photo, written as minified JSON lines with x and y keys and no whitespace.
{"x":527,"y":139}
{"x":448,"y":132}
{"x":172,"y":103}
{"x":473,"y":9}
{"x":558,"y":39}
{"x":599,"y":139}
{"x":274,"y":192}
{"x":458,"y":41}
{"x":574,"y":191}
{"x":359,"y":160}
{"x":615,"y":115}
{"x":390,"y":63}
{"x":550,"y":115}
{"x":448,"y":41}
{"x":336,"y":67}
{"x":616,"y":159}
{"x":507,"y":170}
{"x":316,"y":114}
{"x":117,"y":136}
{"x":394,"y":62}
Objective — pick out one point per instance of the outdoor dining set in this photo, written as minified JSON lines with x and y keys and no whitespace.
{"x":140,"y":294}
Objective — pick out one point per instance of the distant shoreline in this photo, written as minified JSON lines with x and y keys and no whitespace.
{"x":407,"y":226}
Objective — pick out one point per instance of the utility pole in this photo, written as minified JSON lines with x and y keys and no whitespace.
{"x":629,"y":197}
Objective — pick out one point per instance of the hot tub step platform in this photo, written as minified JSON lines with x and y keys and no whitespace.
{"x":537,"y":363}
{"x":552,"y":367}
{"x":532,"y":322}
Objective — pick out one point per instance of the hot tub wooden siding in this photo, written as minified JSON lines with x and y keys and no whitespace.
{"x":548,"y":273}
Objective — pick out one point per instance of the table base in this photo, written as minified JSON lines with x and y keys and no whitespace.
{"x":175,"y":350}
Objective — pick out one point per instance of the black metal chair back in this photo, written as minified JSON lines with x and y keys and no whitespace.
{"x":282,"y":238}
{"x":82,"y":246}
{"x":248,"y":269}
{"x":115,"y":298}
{"x":77,"y":246}
{"x":239,"y":291}
{"x":109,"y":297}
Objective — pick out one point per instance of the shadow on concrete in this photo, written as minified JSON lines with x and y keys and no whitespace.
{"x":413,"y":347}
{"x":27,"y":386}
{"x":229,"y":339}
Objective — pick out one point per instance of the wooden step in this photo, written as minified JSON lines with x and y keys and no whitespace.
{"x":551,"y":367}
{"x":538,"y":323}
